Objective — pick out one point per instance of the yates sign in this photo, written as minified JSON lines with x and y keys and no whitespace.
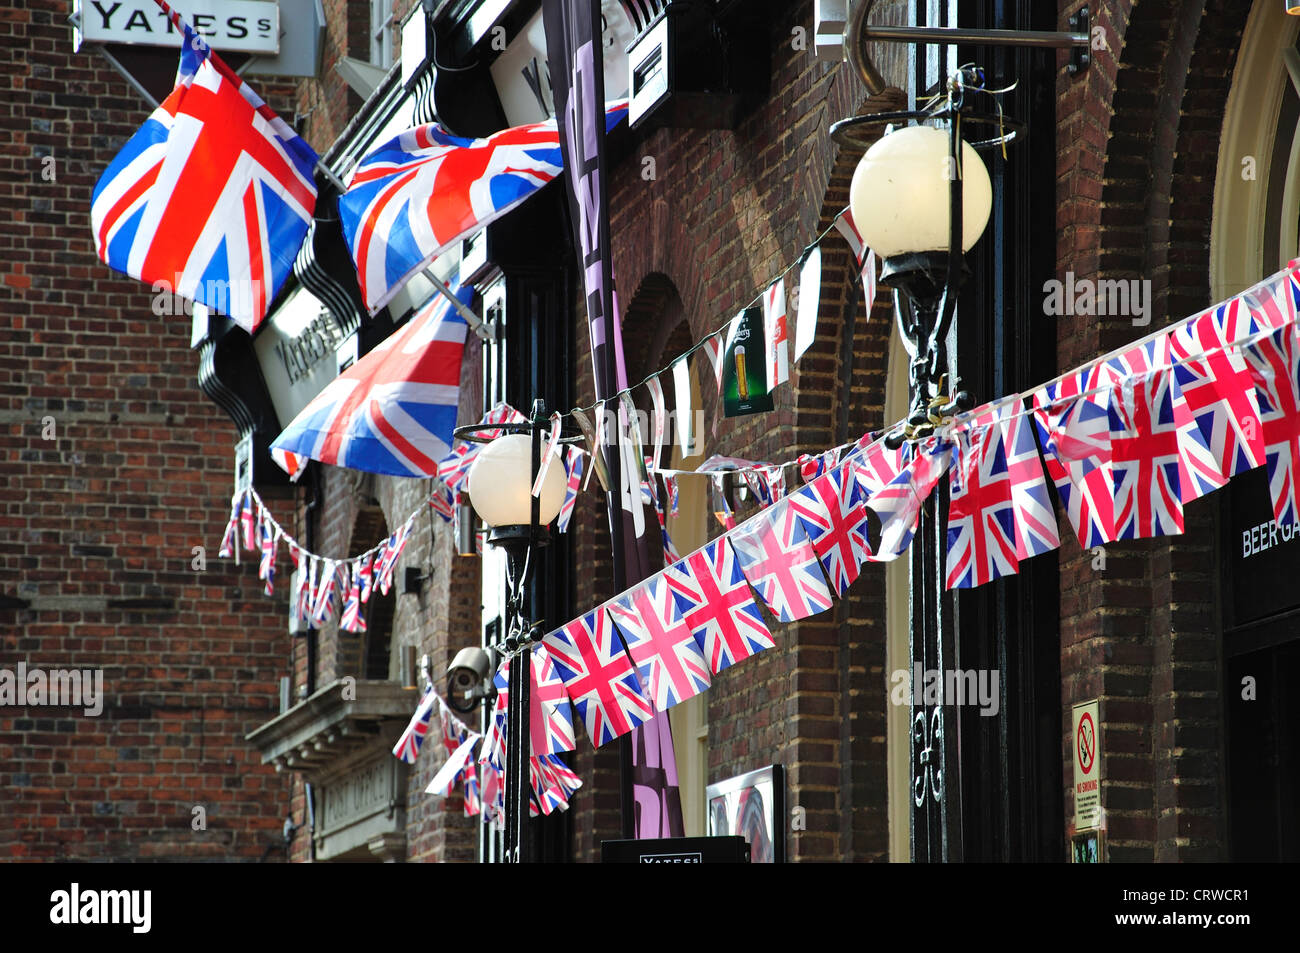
{"x":246,"y":26}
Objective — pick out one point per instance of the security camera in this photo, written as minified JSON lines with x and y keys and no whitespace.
{"x":467,"y":679}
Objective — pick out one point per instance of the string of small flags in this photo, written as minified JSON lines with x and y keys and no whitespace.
{"x":1127,"y":439}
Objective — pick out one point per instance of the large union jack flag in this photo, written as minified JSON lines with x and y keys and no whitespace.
{"x":212,"y":197}
{"x":599,"y":676}
{"x":393,"y":411}
{"x":716,"y":602}
{"x":668,"y":654}
{"x":832,"y":511}
{"x":1275,"y":302}
{"x":425,"y":189}
{"x":408,"y":745}
{"x":1274,"y":362}
{"x":779,"y":561}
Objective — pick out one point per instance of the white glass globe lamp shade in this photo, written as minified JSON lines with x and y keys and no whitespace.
{"x":900,"y":192}
{"x":500,"y":481}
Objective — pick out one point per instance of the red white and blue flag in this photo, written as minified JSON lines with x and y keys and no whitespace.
{"x":1147,"y":456}
{"x":393,"y":411}
{"x":668,"y":655}
{"x":212,"y":198}
{"x":779,"y":561}
{"x":1274,"y":362}
{"x":1215,"y":385}
{"x":270,"y":541}
{"x":600,"y":678}
{"x":425,"y":189}
{"x":352,"y":620}
{"x":408,"y":745}
{"x":1073,"y":421}
{"x":834,"y":515}
{"x":863,"y":255}
{"x":391,"y":551}
{"x":898,"y":503}
{"x":715,"y":600}
{"x":572,"y":484}
{"x":551,"y":718}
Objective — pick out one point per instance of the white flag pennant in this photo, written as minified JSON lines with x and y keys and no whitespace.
{"x":548,"y":452}
{"x":657,"y":416}
{"x":810,"y":292}
{"x":684,"y":406}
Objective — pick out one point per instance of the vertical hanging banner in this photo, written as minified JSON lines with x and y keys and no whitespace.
{"x":573,"y":37}
{"x":744,"y":366}
{"x":778,"y":340}
{"x":683,"y":406}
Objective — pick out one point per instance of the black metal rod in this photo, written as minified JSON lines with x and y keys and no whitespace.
{"x":1042,"y":39}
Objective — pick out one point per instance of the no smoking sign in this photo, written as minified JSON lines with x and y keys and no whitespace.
{"x":1087,"y":776}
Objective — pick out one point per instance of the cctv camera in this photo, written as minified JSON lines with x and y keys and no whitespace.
{"x":466,"y":678}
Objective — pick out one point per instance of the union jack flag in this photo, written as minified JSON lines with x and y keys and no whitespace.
{"x":1275,"y":368}
{"x":391,"y":552}
{"x":898,"y":503}
{"x":1001,"y":512}
{"x":1214,"y":383}
{"x":442,"y":501}
{"x":494,"y":746}
{"x":353,"y":620}
{"x":877,"y":465}
{"x":453,"y":469}
{"x":1274,"y":302}
{"x":599,"y":676}
{"x":408,"y":745}
{"x":364,"y":577}
{"x":212,"y":198}
{"x":426,"y":189}
{"x":551,"y":718}
{"x":650,"y":497}
{"x":229,"y":538}
{"x":713,"y":351}
{"x":669,"y":657}
{"x":573,"y":483}
{"x":270,"y":540}
{"x":779,"y":561}
{"x":323,"y":608}
{"x":394,"y":410}
{"x":716,"y":602}
{"x":670,"y":487}
{"x":248,"y":517}
{"x":1147,"y":456}
{"x":811,"y":467}
{"x":833,"y":515}
{"x":291,"y":463}
{"x":1073,"y":422}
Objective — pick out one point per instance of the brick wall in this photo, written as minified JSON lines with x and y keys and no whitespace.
{"x":100,"y":520}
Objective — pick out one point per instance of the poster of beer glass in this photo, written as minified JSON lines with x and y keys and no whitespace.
{"x":744,"y":369}
{"x":753,"y":806}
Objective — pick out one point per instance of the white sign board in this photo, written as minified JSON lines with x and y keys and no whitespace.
{"x":246,"y":26}
{"x":1086,"y":735}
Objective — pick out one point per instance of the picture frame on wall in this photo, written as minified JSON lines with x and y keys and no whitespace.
{"x":751,"y":805}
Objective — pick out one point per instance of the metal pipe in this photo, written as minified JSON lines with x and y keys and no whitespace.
{"x":1043,"y":39}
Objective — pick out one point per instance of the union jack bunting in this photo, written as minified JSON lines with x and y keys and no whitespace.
{"x":713,"y":351}
{"x":898,"y":503}
{"x":811,"y":467}
{"x":1140,"y":359}
{"x":599,"y":676}
{"x":453,"y":469}
{"x":1274,"y":302}
{"x":1214,"y":383}
{"x":1147,"y":457}
{"x":494,"y":745}
{"x":352,"y":619}
{"x":323,"y":606}
{"x":774,"y":481}
{"x":669,"y":657}
{"x":393,"y":411}
{"x":270,"y":540}
{"x":459,"y":743}
{"x":425,"y":189}
{"x":1274,"y":363}
{"x":875,"y":465}
{"x":670,"y":487}
{"x":408,"y":745}
{"x":716,"y":602}
{"x":572,"y":484}
{"x":1001,"y":512}
{"x":775,"y":330}
{"x":551,"y":718}
{"x":291,"y":463}
{"x":442,"y":501}
{"x":779,"y":561}
{"x":364,"y":577}
{"x":721,"y":508}
{"x":229,"y":545}
{"x":863,"y":255}
{"x":833,"y":515}
{"x":249,"y":515}
{"x":1074,"y":427}
{"x":650,"y":497}
{"x":392,"y":551}
{"x":212,"y":198}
